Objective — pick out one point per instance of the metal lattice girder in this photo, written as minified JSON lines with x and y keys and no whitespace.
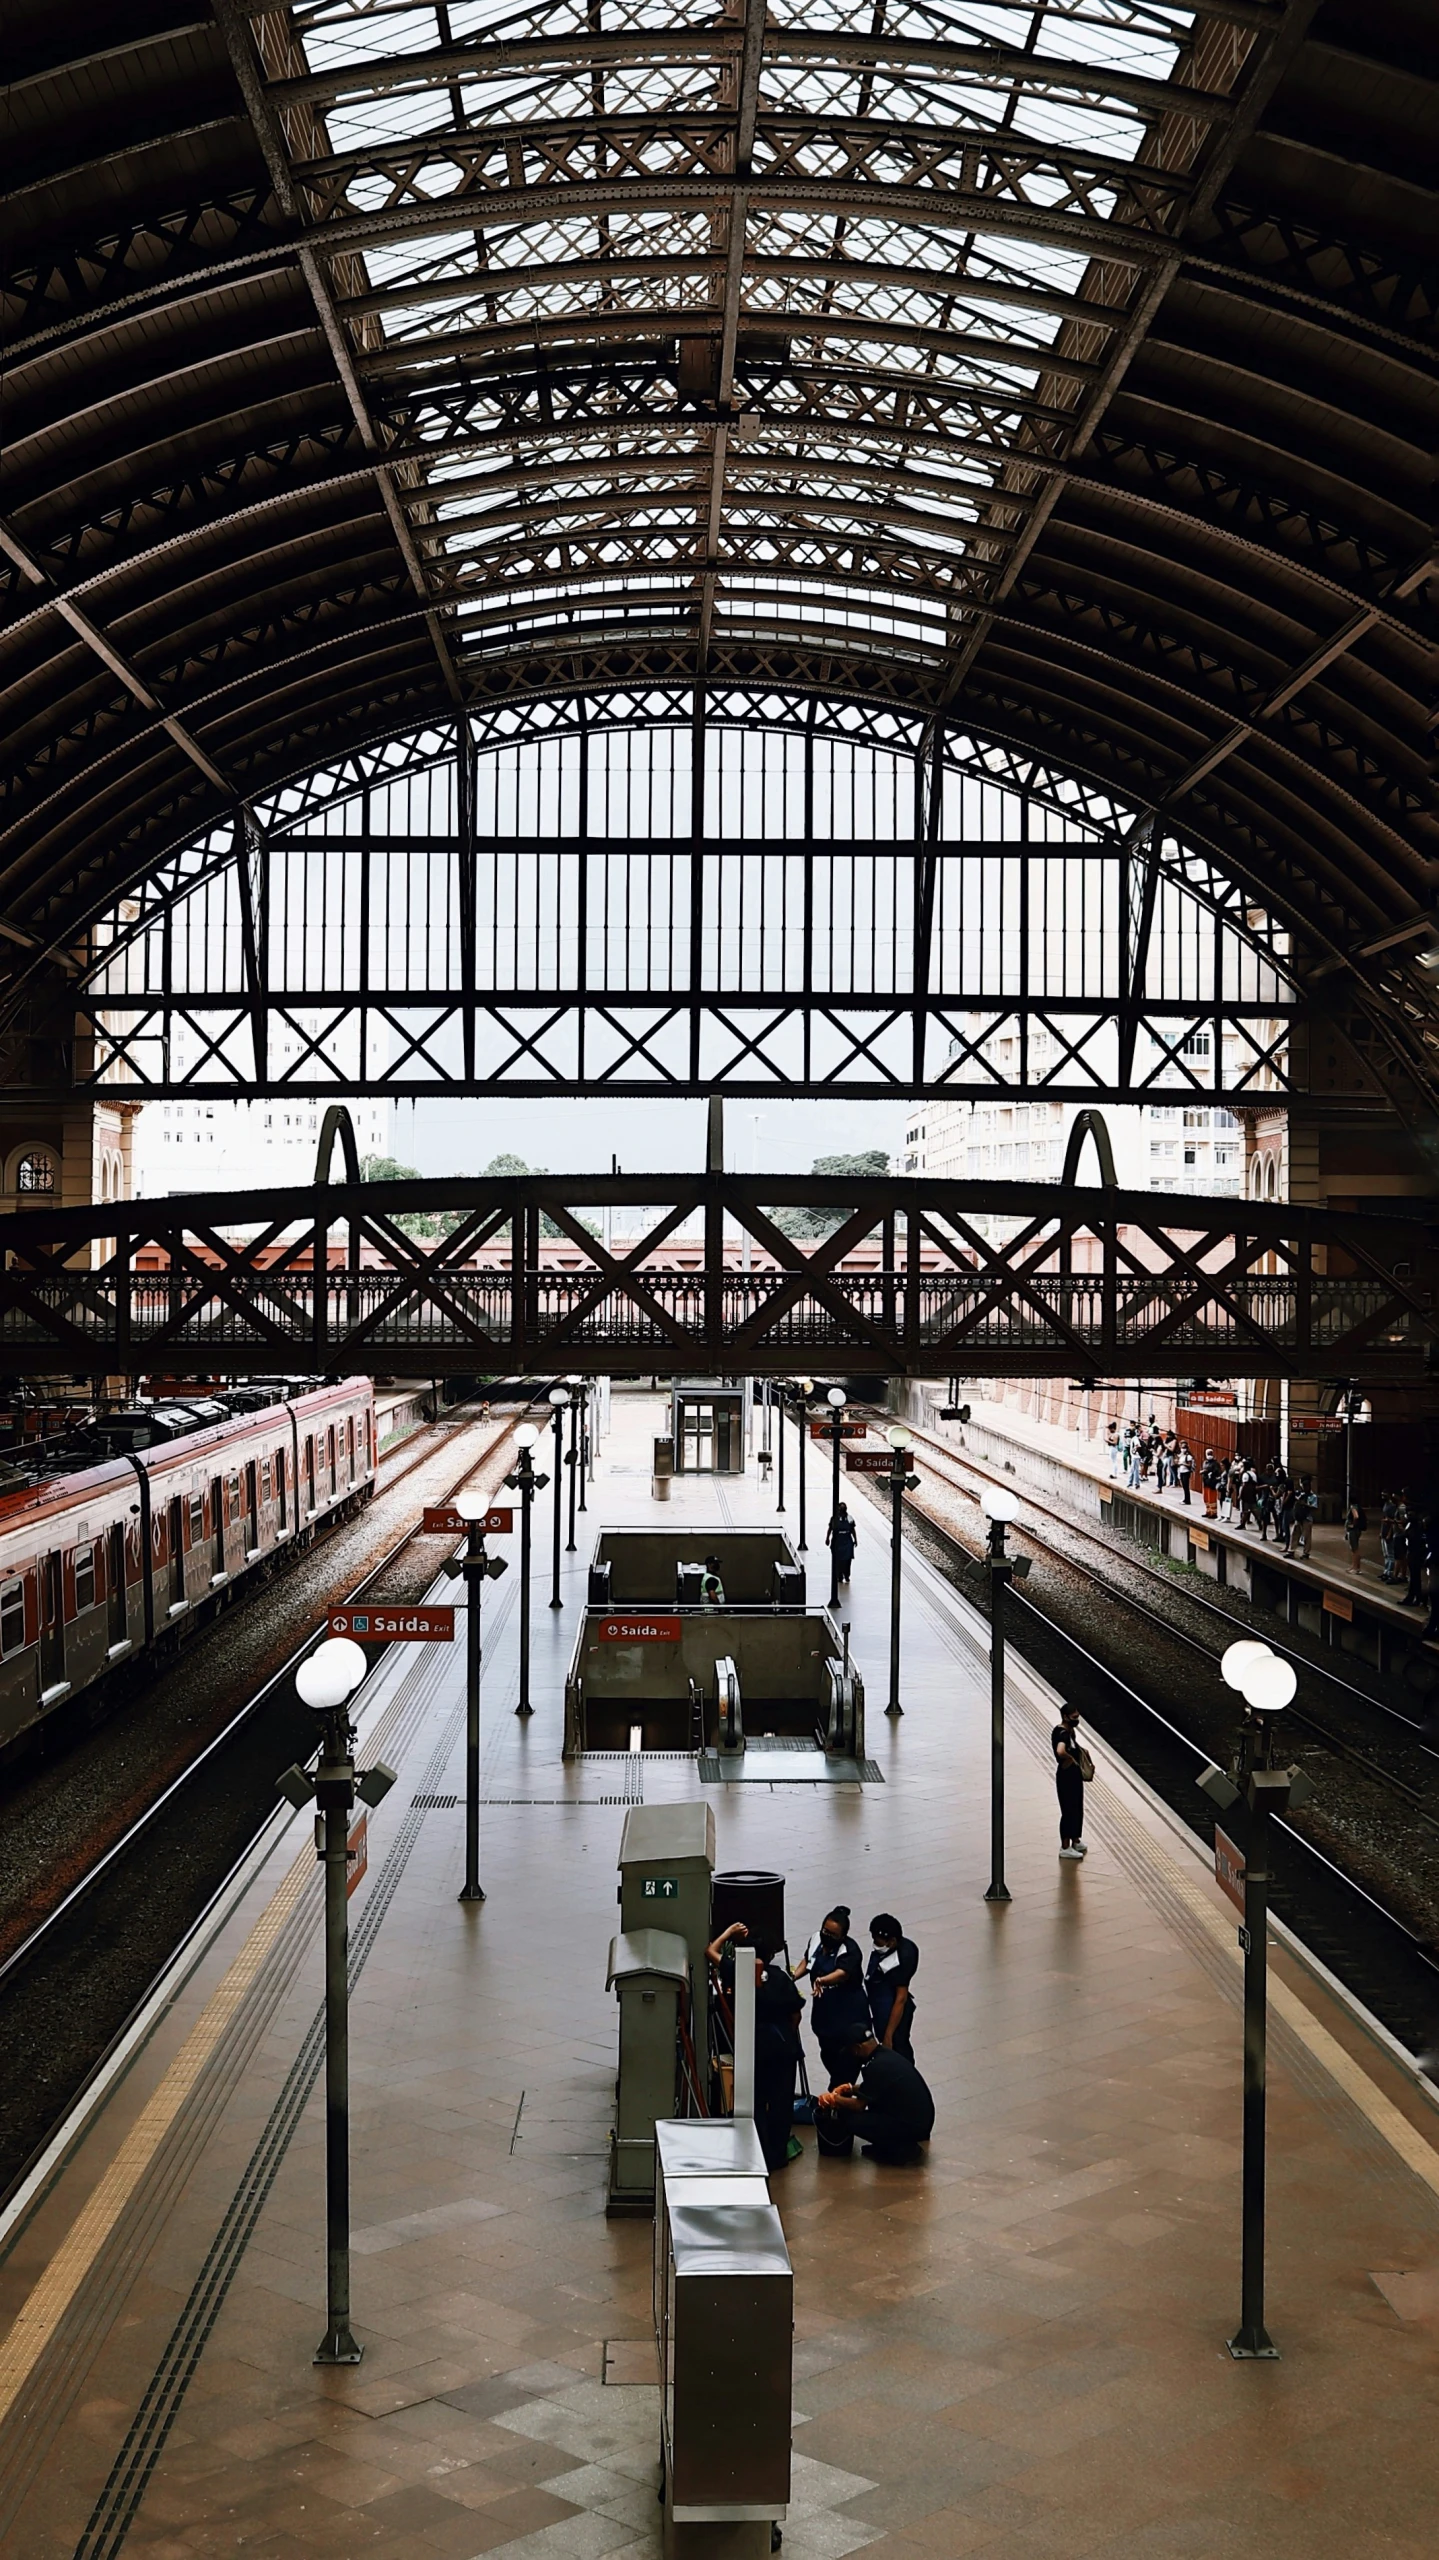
{"x":1151,"y":290}
{"x":977,"y":1280}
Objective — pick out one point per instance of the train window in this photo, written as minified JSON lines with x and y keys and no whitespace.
{"x":84,"y":1579}
{"x":197,"y":1519}
{"x":12,"y":1616}
{"x":264,"y":1479}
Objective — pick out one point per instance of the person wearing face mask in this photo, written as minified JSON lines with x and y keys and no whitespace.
{"x":839,"y":2006}
{"x":889,"y":1982}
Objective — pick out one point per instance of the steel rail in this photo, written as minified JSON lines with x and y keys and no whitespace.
{"x":21,"y":1954}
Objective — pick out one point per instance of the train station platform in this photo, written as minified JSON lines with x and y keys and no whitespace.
{"x":1014,"y":2352}
{"x":1352,"y":1608}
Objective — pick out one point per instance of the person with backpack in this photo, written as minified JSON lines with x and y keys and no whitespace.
{"x":1073,"y":1768}
{"x":1306,"y":1505}
{"x":1209,"y":1477}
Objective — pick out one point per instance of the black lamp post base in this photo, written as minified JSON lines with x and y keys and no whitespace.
{"x":338,"y":2346}
{"x":1253,"y":2346}
{"x":894,"y":1708}
{"x":524,"y":1708}
{"x":998,"y":1893}
{"x":471,"y":1893}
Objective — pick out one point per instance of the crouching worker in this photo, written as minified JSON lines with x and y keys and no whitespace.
{"x":888,"y":2105}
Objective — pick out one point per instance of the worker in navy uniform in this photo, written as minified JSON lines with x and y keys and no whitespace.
{"x":887,"y":2105}
{"x":839,"y":2003}
{"x":889,"y":1983}
{"x":777,"y":2008}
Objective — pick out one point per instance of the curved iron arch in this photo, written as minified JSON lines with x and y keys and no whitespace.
{"x":1085,"y":403}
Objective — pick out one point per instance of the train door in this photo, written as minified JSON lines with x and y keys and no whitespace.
{"x":116,"y":1609}
{"x":52,"y":1624}
{"x":217,"y":1523}
{"x":350,"y":1448}
{"x":330,"y":1467}
{"x":252,"y":1507}
{"x":310,"y":1472}
{"x":282,"y":1490}
{"x":177,"y":1552}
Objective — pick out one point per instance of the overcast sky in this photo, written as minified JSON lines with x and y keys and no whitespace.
{"x":568,"y":1136}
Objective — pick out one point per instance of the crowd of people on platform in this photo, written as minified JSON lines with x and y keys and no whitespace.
{"x":862,"y":2015}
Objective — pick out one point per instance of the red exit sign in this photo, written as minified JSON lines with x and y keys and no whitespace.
{"x":847,"y":1430}
{"x":393,"y":1626}
{"x":872,"y":1462}
{"x":442,"y":1520}
{"x":639,"y":1630}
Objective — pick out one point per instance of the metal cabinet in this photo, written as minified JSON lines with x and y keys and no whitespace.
{"x":667,"y":1856}
{"x":649,"y":1970}
{"x":724,"y":2298}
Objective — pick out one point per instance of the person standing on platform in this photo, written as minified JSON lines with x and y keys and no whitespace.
{"x":1134,"y":1469}
{"x":889,"y":1983}
{"x":1209,"y":1477}
{"x":1389,"y":1507}
{"x":843,"y":1537}
{"x":1070,"y":1759}
{"x":1234,"y":1477}
{"x":1112,"y":1450}
{"x":1306,"y":1504}
{"x":1414,"y":1591}
{"x":889,"y":2106}
{"x":1184,"y":1471}
{"x":1356,"y":1521}
{"x":777,"y":2008}
{"x":1285,"y":1516}
{"x":839,"y":2008}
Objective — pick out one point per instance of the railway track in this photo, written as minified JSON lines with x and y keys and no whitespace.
{"x":69,"y":1988}
{"x":1357,"y":1879}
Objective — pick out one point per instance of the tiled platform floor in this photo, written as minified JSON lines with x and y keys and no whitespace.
{"x":1016,"y":2352}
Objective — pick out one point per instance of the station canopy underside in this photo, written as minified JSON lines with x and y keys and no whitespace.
{"x":1058,"y":377}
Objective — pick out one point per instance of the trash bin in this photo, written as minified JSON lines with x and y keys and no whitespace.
{"x":752,"y":1895}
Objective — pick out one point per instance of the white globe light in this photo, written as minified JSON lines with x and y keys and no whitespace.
{"x":574,"y":1379}
{"x":836,"y":1397}
{"x":1238,"y":1660}
{"x":898,"y":1437}
{"x":559,"y":1396}
{"x":1270,"y":1685}
{"x":527,"y":1436}
{"x":806,"y":1386}
{"x":471,"y":1506}
{"x":998,"y":1503}
{"x":332,"y":1672}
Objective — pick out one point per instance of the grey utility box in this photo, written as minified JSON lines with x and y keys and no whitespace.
{"x":724,"y":2295}
{"x":667,"y":1859}
{"x":650,"y":1972}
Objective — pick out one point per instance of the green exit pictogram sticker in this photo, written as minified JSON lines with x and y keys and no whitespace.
{"x":660,"y":1889}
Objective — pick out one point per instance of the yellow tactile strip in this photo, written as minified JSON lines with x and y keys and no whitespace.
{"x":39,"y":2317}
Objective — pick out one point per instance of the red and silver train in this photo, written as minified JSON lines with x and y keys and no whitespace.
{"x":129,"y":1545}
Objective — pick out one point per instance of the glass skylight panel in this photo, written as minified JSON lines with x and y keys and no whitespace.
{"x":547,"y":342}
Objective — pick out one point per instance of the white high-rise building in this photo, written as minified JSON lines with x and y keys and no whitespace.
{"x":206,"y":1145}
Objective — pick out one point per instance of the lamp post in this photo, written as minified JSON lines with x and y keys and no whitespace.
{"x":836,"y":1399}
{"x":779,"y":1396}
{"x":559,"y":1398}
{"x":585,"y":1468}
{"x":999,"y":1507}
{"x":806,"y":1390}
{"x":1266,"y":1683}
{"x":901,"y":1482}
{"x":327,"y":1681}
{"x":524,"y":1481}
{"x":577,"y":1391}
{"x":475,"y":1567}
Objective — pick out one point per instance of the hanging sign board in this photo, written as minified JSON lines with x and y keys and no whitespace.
{"x":847,"y":1430}
{"x":1197,"y":1399}
{"x":393,"y":1626}
{"x":1228,"y":1868}
{"x":357,"y":1852}
{"x":442,"y":1520}
{"x":1314,"y":1422}
{"x":1337,"y":1604}
{"x":871,"y":1462}
{"x":639,"y":1630}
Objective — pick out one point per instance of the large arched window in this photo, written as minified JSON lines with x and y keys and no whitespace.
{"x":35,"y":1174}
